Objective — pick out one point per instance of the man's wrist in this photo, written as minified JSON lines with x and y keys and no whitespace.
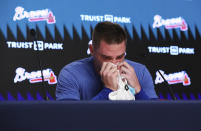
{"x":137,"y":89}
{"x":112,"y":88}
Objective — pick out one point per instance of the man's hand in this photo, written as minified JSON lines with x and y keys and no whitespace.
{"x":109,"y":75}
{"x":129,"y":74}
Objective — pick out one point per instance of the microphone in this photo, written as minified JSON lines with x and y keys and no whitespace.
{"x":33,"y":34}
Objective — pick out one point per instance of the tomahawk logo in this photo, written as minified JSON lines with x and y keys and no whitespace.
{"x":178,"y":22}
{"x":34,"y":16}
{"x":35,"y":76}
{"x":173,"y":78}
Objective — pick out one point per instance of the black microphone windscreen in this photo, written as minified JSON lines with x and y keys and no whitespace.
{"x":33,"y":32}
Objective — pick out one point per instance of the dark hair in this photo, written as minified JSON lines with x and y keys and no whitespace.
{"x":109,"y":32}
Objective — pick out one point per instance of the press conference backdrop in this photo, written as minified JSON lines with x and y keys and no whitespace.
{"x":162,"y":34}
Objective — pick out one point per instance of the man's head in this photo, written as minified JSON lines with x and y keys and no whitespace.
{"x":108,"y":43}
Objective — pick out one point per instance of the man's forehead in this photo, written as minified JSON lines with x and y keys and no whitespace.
{"x":105,"y":55}
{"x":112,"y":46}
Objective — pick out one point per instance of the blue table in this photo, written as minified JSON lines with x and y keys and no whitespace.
{"x":100,"y":115}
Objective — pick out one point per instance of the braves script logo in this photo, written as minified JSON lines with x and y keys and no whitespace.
{"x":34,"y":16}
{"x":170,"y":23}
{"x":173,"y":78}
{"x":35,"y":76}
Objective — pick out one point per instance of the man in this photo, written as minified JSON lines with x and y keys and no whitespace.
{"x":95,"y":77}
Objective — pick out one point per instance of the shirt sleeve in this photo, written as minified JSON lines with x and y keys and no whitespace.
{"x":103,"y":94}
{"x":67,"y":87}
{"x":141,"y":96}
{"x":147,"y":85}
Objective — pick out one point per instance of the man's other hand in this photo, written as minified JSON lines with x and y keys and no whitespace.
{"x":109,"y":75}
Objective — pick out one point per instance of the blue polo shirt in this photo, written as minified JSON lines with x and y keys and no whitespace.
{"x":80,"y":81}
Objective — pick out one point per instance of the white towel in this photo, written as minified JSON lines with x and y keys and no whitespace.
{"x":121,"y":93}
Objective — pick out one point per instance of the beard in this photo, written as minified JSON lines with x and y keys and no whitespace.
{"x":97,"y":65}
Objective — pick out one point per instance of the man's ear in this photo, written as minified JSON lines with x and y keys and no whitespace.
{"x":91,"y":48}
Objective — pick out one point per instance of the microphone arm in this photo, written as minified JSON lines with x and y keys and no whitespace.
{"x":169,"y":88}
{"x":144,"y":55}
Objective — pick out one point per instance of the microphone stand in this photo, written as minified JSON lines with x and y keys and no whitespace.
{"x":169,"y":88}
{"x":33,"y":34}
{"x":167,"y":85}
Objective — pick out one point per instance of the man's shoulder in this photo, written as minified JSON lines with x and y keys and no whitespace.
{"x":79,"y":64}
{"x":136,"y":65}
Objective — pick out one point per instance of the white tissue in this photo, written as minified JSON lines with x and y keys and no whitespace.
{"x":121,"y":93}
